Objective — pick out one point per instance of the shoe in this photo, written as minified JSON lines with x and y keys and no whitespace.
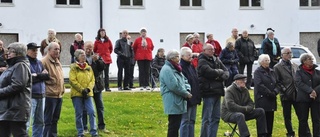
{"x":120,"y":88}
{"x":104,"y":131}
{"x":126,"y":88}
{"x":132,"y":87}
{"x":148,"y":88}
{"x":86,"y":131}
{"x":141,"y":88}
{"x":108,"y":90}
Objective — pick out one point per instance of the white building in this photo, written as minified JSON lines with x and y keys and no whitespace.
{"x":167,"y":21}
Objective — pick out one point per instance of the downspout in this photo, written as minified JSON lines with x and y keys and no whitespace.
{"x":101,"y":18}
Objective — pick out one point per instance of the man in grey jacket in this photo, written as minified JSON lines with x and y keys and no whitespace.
{"x":238,"y":107}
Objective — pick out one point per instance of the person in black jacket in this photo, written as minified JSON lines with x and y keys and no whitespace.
{"x":271,"y":46}
{"x":157,"y":63}
{"x":77,"y":44}
{"x":3,"y":57}
{"x":308,"y":84}
{"x":15,"y":92}
{"x":211,"y":74}
{"x":125,"y":55}
{"x":265,"y":90}
{"x":97,"y":66}
{"x":230,"y":59}
{"x":188,"y":119}
{"x":247,"y":54}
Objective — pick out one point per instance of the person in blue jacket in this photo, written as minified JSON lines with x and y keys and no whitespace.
{"x":175,"y":90}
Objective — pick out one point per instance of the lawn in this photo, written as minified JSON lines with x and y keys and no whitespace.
{"x":141,"y":114}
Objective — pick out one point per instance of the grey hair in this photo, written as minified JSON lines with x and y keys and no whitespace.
{"x":172,"y":54}
{"x":284,"y":49}
{"x":244,"y":31}
{"x":304,"y":57}
{"x":185,"y":50}
{"x":262,"y":57}
{"x":55,"y":33}
{"x":270,"y":32}
{"x":51,"y":44}
{"x":205,"y":46}
{"x":77,"y":53}
{"x":78,"y":34}
{"x":229,"y":45}
{"x":196,"y":34}
{"x":88,"y":43}
{"x":209,"y":34}
{"x":19,"y":48}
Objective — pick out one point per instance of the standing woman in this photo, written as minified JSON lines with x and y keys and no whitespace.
{"x":103,"y":46}
{"x":230,"y":59}
{"x":15,"y":93}
{"x":174,"y":89}
{"x":142,"y":48}
{"x":82,"y":81}
{"x":308,"y":85}
{"x":265,"y":90}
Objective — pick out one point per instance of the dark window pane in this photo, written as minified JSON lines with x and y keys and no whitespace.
{"x":196,"y":3}
{"x":297,"y":52}
{"x":303,"y":2}
{"x":315,"y":2}
{"x":62,"y":2}
{"x":74,"y":2}
{"x":6,"y":1}
{"x":256,"y":3}
{"x":184,"y":2}
{"x":244,"y":3}
{"x":137,"y":3}
{"x":125,"y":2}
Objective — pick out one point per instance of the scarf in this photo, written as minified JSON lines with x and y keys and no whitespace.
{"x":54,"y":40}
{"x":274,"y":47}
{"x":144,"y":43}
{"x":81,"y":65}
{"x":177,"y":66}
{"x":310,"y":70}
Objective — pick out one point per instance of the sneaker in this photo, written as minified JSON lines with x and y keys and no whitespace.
{"x":86,"y":131}
{"x":108,"y":90}
{"x":132,"y":87}
{"x":119,"y":88}
{"x":148,"y":88}
{"x":104,"y":131}
{"x":126,"y":88}
{"x":141,"y":88}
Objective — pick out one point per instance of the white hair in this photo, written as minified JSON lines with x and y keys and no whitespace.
{"x":78,"y":34}
{"x":262,"y":57}
{"x":172,"y":54}
{"x":304,"y":57}
{"x":285,"y":49}
{"x":19,"y":48}
{"x":270,"y":32}
{"x":185,"y":50}
{"x":196,"y":34}
{"x":55,"y":33}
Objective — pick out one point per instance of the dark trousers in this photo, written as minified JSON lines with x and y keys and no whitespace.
{"x":287,"y":105}
{"x":241,"y":119}
{"x":17,"y":129}
{"x":51,"y":116}
{"x":106,"y":76}
{"x":269,"y":121}
{"x":97,"y":97}
{"x":144,"y":72}
{"x":233,"y":70}
{"x":131,"y":77}
{"x":174,"y":125}
{"x":303,"y":109}
{"x":249,"y":72}
{"x":123,"y":64}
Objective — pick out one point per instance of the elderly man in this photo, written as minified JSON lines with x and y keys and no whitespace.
{"x":285,"y":72}
{"x":125,"y":55}
{"x":51,"y":38}
{"x":3,"y":57}
{"x":77,"y":44}
{"x":39,"y":75}
{"x":211,"y":74}
{"x":54,"y":89}
{"x":247,"y":54}
{"x":271,"y":46}
{"x":238,"y":107}
{"x":233,"y":37}
{"x":215,"y":44}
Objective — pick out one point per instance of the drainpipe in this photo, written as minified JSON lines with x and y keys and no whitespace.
{"x":101,"y":19}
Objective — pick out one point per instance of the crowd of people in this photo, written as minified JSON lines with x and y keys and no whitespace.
{"x":32,"y":89}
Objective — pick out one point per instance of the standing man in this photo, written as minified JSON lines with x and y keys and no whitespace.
{"x":271,"y":46}
{"x":39,"y":75}
{"x":215,"y":44}
{"x":51,"y":38}
{"x":247,"y":54}
{"x":54,"y":90}
{"x":211,"y":73}
{"x":3,"y":57}
{"x":77,"y":44}
{"x":97,"y":66}
{"x":125,"y":55}
{"x":233,"y":37}
{"x":285,"y":72}
{"x":132,"y":64}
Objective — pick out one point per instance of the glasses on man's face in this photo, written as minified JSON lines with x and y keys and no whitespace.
{"x":288,"y":53}
{"x":209,"y":49}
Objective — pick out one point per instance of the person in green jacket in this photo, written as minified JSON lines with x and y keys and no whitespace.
{"x":175,"y":91}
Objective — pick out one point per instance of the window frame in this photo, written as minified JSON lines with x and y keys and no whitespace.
{"x":190,"y":7}
{"x":7,"y":4}
{"x":250,"y":7}
{"x":309,"y":6}
{"x":67,"y":5}
{"x":131,"y":6}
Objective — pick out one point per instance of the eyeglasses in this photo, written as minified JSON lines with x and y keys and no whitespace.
{"x":209,"y":49}
{"x":287,"y":53}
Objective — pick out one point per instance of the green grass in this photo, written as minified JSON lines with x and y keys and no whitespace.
{"x":141,"y":114}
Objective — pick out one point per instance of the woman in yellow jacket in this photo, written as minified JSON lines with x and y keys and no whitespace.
{"x":81,"y":79}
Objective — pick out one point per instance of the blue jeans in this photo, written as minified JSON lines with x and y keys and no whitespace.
{"x":37,"y":117}
{"x":187,"y":122}
{"x":97,"y":97}
{"x":210,"y":116}
{"x":52,"y":112}
{"x":79,"y":103}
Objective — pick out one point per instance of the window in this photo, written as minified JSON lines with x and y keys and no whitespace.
{"x":6,"y":3}
{"x":310,"y":3}
{"x":68,"y":3}
{"x":296,"y":52}
{"x":131,"y":3}
{"x":191,"y":3}
{"x":250,"y":4}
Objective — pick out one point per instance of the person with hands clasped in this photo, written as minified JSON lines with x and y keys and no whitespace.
{"x":82,"y":81}
{"x":175,"y":91}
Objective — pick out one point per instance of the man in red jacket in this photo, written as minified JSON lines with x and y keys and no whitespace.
{"x":215,"y":44}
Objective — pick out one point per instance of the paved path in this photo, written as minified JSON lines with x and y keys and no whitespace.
{"x":133,"y":90}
